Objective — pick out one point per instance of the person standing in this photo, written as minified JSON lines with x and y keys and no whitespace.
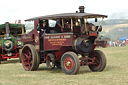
{"x":41,"y":30}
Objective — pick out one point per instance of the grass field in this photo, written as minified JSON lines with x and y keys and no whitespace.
{"x":115,"y":73}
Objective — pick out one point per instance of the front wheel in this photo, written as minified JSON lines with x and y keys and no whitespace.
{"x":29,"y":58}
{"x":70,"y":63}
{"x":98,"y":60}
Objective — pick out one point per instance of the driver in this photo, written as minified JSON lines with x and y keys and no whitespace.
{"x":42,"y":29}
{"x":58,"y":27}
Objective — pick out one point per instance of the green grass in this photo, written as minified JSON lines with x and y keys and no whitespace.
{"x":115,"y":73}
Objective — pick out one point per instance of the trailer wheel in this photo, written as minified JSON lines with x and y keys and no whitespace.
{"x":70,"y":63}
{"x":98,"y":61}
{"x":29,"y":57}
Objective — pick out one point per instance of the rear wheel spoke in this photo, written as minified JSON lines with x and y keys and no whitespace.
{"x":29,"y":58}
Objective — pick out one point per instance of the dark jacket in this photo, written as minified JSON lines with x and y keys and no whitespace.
{"x":42,"y":29}
{"x":57,"y":28}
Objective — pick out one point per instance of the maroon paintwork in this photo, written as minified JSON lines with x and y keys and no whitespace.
{"x":56,"y":41}
{"x":63,"y":47}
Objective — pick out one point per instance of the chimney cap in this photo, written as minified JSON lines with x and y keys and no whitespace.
{"x":81,"y":9}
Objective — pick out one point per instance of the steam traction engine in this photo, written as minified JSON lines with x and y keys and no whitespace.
{"x":10,"y":43}
{"x":67,"y":41}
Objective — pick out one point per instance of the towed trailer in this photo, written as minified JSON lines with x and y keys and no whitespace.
{"x":67,"y":41}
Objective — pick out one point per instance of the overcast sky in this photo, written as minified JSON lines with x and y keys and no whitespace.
{"x":10,"y":10}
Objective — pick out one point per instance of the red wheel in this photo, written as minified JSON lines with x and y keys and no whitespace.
{"x":70,"y":63}
{"x":29,"y":58}
{"x":98,"y":61}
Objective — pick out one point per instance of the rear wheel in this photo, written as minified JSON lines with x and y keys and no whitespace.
{"x":70,"y":63}
{"x":29,"y":57}
{"x":98,"y":61}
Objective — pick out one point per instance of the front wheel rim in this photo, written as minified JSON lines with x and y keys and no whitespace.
{"x":68,"y":63}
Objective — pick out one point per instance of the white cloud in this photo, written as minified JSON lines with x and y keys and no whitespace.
{"x":24,"y":9}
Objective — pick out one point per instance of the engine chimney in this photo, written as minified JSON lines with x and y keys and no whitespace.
{"x":7,"y":28}
{"x":81,"y":8}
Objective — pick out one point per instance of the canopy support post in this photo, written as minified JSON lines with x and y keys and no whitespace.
{"x":71,"y":25}
{"x":85,"y":25}
{"x":100,"y":24}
